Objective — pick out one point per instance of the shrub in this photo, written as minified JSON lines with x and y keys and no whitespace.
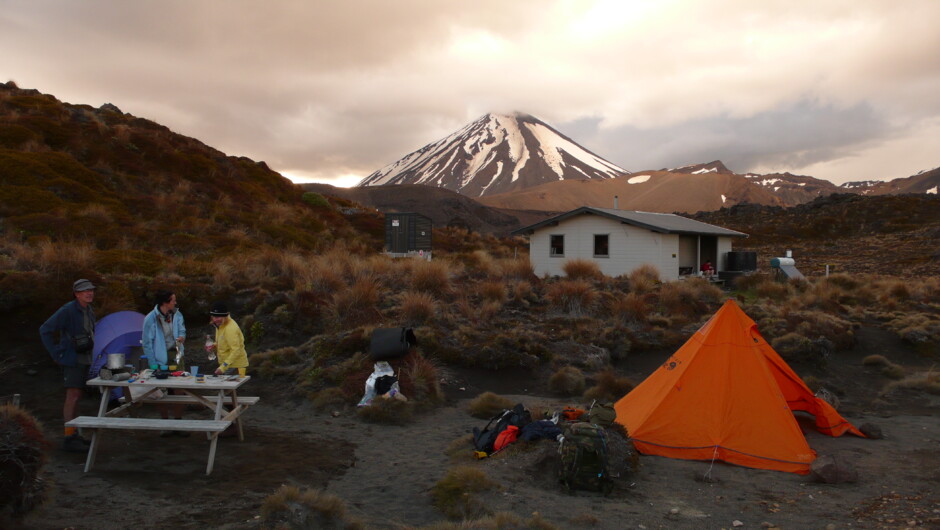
{"x":291,"y":508}
{"x":315,"y":199}
{"x":567,"y":381}
{"x":23,"y":455}
{"x":875,"y":360}
{"x":329,"y":397}
{"x":487,"y":405}
{"x":927,"y":381}
{"x":582,"y":269}
{"x":455,"y":494}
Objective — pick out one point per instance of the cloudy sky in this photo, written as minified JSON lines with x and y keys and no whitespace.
{"x":331,"y":91}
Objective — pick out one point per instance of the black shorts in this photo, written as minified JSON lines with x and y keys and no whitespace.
{"x":74,"y":376}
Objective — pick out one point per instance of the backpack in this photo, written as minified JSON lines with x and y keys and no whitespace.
{"x":584,"y":458}
{"x":602,"y":414}
{"x":485,"y":439}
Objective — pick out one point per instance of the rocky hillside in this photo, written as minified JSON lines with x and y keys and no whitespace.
{"x":896,"y":235}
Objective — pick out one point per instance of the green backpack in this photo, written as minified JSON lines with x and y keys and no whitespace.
{"x":584,"y":458}
{"x":602,"y":414}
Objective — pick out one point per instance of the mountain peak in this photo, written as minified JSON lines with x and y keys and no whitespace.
{"x":496,"y":153}
{"x":715,"y":166}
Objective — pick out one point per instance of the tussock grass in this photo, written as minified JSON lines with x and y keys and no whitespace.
{"x":493,"y":291}
{"x":417,"y":308}
{"x":387,"y":411}
{"x":582,"y":269}
{"x":331,"y":397}
{"x":631,"y":307}
{"x":928,"y":381}
{"x":608,"y":386}
{"x":420,"y":380}
{"x":643,"y":279}
{"x":23,"y":455}
{"x":457,"y":494}
{"x":487,"y":405}
{"x":516,"y":268}
{"x":431,"y":276}
{"x":497,"y":521}
{"x":567,"y":381}
{"x":357,"y":305}
{"x":875,"y":360}
{"x":289,"y":507}
{"x":574,"y":297}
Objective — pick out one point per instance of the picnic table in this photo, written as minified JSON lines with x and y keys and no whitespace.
{"x":216,"y":393}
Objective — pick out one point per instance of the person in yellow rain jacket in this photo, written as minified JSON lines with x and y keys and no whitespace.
{"x":229,"y":341}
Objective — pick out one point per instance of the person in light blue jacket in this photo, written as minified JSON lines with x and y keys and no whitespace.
{"x":164,"y":329}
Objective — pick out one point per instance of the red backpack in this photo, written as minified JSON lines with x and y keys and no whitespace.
{"x":506,"y":437}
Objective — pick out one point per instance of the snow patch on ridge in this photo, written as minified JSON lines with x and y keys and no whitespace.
{"x":639,"y":179}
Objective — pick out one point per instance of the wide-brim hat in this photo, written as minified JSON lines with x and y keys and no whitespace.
{"x":219,"y":309}
{"x":83,"y":285}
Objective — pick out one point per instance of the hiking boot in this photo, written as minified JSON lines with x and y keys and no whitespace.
{"x":74,"y":444}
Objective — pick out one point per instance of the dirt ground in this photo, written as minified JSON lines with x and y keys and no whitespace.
{"x":385,"y":473}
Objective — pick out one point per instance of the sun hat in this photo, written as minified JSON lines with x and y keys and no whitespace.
{"x":82,"y":285}
{"x":219,"y":309}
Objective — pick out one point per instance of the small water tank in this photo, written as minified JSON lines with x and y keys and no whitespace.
{"x":744,"y":261}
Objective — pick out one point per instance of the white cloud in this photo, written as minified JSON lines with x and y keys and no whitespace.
{"x":338,"y":88}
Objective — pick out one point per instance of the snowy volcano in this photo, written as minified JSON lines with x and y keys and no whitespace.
{"x":496,"y":154}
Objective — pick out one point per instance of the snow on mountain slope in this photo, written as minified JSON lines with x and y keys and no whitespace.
{"x":496,"y":154}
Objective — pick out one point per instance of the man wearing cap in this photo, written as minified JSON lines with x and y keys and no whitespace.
{"x":229,"y":341}
{"x":69,"y":336}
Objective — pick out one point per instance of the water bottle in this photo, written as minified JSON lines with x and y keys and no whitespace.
{"x":210,"y":347}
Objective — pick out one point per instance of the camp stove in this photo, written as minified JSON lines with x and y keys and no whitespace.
{"x":116,"y":370}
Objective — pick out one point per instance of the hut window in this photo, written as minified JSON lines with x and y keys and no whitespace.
{"x":601,"y":246}
{"x":557,"y":245}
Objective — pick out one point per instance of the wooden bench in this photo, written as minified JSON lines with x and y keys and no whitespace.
{"x":148,"y":424}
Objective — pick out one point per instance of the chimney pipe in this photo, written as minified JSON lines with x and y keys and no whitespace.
{"x":616,"y":201}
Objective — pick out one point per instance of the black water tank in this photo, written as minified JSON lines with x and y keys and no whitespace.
{"x":743,"y":261}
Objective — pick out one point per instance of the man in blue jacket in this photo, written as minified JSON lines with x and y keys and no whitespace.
{"x":69,"y":336}
{"x":164,"y":332}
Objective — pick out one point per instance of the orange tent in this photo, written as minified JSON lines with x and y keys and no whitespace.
{"x":727,"y":395}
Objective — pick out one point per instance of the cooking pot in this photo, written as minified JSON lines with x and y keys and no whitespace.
{"x":116,"y":361}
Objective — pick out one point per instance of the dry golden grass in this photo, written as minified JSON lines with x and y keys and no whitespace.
{"x":289,"y":507}
{"x":417,"y":308}
{"x":487,"y":405}
{"x":567,"y":381}
{"x":574,"y":297}
{"x":63,"y":258}
{"x":522,"y":292}
{"x":582,"y":269}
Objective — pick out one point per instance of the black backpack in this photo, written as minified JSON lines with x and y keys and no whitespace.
{"x":484,"y":440}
